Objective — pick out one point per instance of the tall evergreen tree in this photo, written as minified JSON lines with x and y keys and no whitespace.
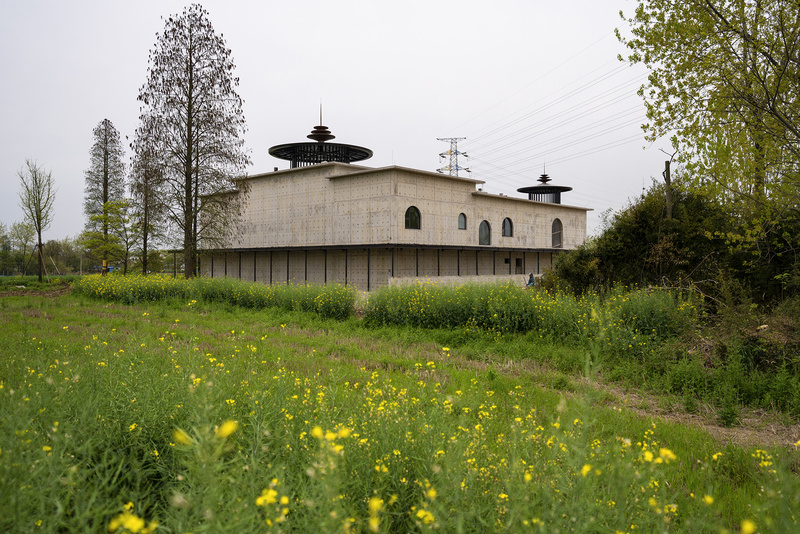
{"x":193,"y":118}
{"x":105,"y":181}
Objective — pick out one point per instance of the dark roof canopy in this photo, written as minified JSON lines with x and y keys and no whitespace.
{"x":307,"y":153}
{"x":545,"y":192}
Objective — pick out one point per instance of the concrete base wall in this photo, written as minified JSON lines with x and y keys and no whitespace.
{"x":460,"y":280}
{"x":370,"y":269}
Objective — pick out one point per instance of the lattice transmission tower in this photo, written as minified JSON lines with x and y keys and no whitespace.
{"x":452,"y":167}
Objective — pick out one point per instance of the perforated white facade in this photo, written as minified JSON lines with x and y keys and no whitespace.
{"x":348,"y":223}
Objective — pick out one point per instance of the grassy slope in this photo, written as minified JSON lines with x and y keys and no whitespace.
{"x":118,"y":380}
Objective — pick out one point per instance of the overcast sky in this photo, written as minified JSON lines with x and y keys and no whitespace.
{"x":529,"y":83}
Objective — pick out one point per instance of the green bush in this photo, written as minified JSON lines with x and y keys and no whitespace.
{"x":330,"y":301}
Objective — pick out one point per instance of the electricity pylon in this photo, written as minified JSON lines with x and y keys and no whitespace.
{"x":452,"y":168}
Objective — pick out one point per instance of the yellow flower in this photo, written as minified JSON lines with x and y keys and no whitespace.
{"x":181,"y":437}
{"x":709,"y":500}
{"x":268,"y":496}
{"x":226,"y":429}
{"x":374,"y":524}
{"x":748,"y":527}
{"x":427,"y":517}
{"x":317,"y":432}
{"x":585,"y":469}
{"x":375,"y":505}
{"x":667,"y":455}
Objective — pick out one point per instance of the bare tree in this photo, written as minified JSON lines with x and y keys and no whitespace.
{"x":147,"y":188}
{"x":193,"y":117}
{"x":36,"y":200}
{"x":105,"y":181}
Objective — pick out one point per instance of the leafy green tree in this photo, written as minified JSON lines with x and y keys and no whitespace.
{"x":36,"y":198}
{"x":111,"y":239}
{"x":105,"y":179}
{"x":65,"y":255}
{"x":724,"y":79}
{"x":724,"y":83}
{"x":642,"y":246}
{"x":193,"y":117}
{"x":22,"y":236}
{"x":5,"y":251}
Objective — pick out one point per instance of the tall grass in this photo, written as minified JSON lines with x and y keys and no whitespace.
{"x":625,"y":319}
{"x":204,"y":418}
{"x":331,"y":300}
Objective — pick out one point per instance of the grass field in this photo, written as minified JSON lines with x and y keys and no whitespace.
{"x":180,"y":414}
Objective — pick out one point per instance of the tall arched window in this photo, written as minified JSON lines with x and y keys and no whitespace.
{"x":413,"y":218}
{"x":462,"y":221}
{"x":508,"y":228}
{"x":558,"y":230}
{"x":484,"y":234}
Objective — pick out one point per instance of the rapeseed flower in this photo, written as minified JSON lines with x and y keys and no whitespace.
{"x":226,"y":429}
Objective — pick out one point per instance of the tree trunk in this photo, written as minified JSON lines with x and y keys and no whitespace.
{"x":40,"y":258}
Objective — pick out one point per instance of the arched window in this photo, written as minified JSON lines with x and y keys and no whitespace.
{"x":484,"y":234}
{"x":462,"y":221}
{"x":508,"y":228}
{"x":558,"y":229}
{"x":413,"y":219}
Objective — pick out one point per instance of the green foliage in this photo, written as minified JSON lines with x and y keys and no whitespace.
{"x":700,"y":247}
{"x":640,"y":246}
{"x":332,"y":300}
{"x":723,"y":83}
{"x":626,"y":321}
{"x":235,"y":420}
{"x":106,"y":235}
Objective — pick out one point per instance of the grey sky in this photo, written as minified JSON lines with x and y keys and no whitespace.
{"x":527,"y":82}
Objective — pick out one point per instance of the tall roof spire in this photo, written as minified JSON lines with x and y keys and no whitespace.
{"x":320,"y":133}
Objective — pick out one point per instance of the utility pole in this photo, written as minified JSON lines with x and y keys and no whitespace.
{"x":452,"y":168}
{"x":668,"y":182}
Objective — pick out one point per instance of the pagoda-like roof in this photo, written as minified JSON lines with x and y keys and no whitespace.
{"x":545,"y":192}
{"x":318,"y":151}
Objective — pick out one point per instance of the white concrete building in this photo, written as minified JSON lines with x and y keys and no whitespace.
{"x":369,"y":227}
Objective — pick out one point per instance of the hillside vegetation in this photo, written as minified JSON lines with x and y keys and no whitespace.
{"x":195,"y":411}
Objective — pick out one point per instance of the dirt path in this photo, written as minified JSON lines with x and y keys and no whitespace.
{"x":756,"y":427}
{"x":63,"y":289}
